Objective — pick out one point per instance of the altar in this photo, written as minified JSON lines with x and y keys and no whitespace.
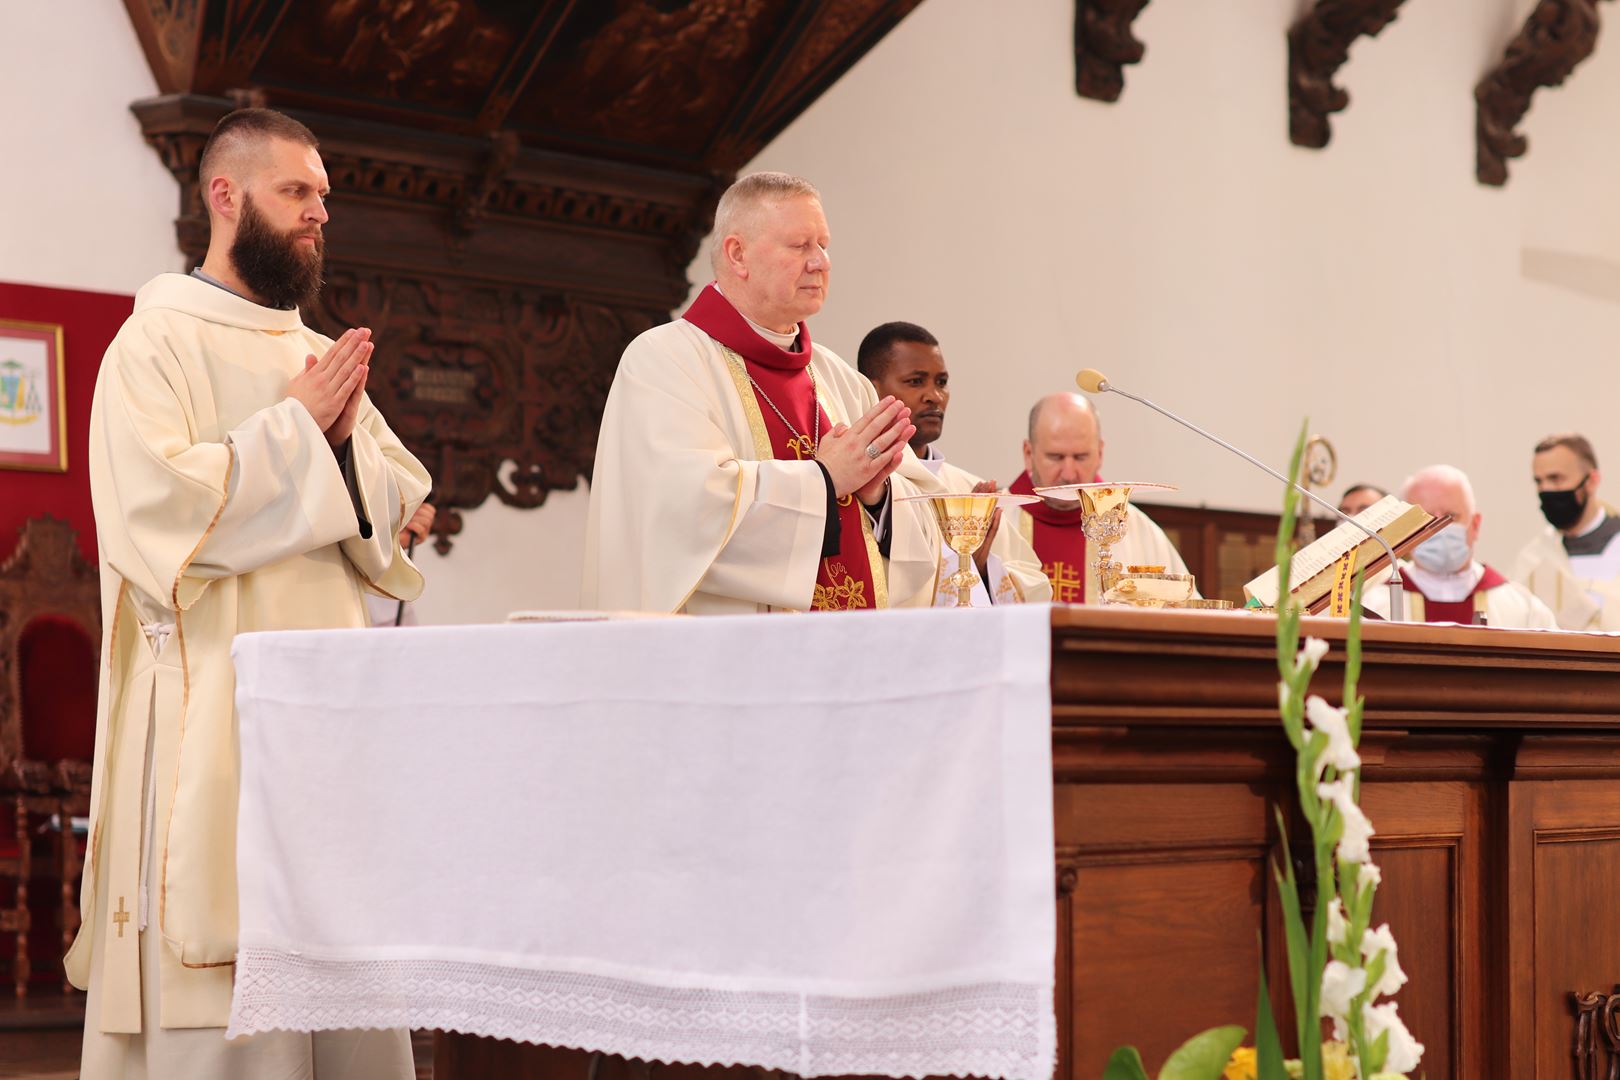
{"x":1492,"y":775}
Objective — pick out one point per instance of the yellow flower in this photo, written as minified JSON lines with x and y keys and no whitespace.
{"x":1242,"y":1066}
{"x":1336,"y":1062}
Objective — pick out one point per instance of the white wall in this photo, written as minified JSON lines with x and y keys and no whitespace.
{"x":1180,"y":243}
{"x":88,"y":205}
{"x":1176,"y":240}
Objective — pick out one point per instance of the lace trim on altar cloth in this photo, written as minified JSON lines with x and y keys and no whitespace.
{"x":1002,"y":1030}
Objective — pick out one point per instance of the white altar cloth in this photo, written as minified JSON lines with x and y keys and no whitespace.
{"x":821,"y":844}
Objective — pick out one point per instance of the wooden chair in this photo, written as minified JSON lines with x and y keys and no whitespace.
{"x":50,"y":641}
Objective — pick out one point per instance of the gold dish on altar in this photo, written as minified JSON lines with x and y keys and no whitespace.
{"x":1154,"y":590}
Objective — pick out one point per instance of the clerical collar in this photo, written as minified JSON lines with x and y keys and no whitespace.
{"x":1597,"y":523}
{"x":718,"y":317}
{"x":931,"y":459}
{"x":775,"y":337}
{"x":202,"y":275}
{"x":1445,"y":588}
{"x":1596,"y":539}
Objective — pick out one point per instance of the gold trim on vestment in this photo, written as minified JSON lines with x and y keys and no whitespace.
{"x":750,"y":404}
{"x":92,"y":858}
{"x":185,"y":703}
{"x":756,"y":427}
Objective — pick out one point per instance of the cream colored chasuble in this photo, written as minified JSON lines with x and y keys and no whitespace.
{"x":687,"y":514}
{"x":220,"y":508}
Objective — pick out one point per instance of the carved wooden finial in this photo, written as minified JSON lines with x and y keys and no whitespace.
{"x":249,"y":97}
{"x":1318,"y":45}
{"x":1557,"y":36}
{"x":1103,"y":45}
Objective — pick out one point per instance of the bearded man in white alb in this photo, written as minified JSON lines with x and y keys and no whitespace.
{"x":241,"y":481}
{"x":741,"y":468}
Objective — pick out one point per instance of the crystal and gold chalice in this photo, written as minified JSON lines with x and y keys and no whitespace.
{"x":1104,"y":517}
{"x":965,"y":518}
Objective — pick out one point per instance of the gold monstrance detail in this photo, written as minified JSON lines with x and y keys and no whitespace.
{"x":964,"y":519}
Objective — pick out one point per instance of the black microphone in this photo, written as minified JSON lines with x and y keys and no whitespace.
{"x":1093,"y":381}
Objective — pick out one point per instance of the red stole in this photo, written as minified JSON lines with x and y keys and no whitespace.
{"x":849,"y":579}
{"x":1456,"y":611}
{"x":1058,"y":543}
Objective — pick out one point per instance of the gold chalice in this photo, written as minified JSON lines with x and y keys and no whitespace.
{"x":964,"y":519}
{"x":1105,"y":515}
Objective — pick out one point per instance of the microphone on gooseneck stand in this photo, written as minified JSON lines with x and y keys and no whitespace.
{"x":1093,"y":381}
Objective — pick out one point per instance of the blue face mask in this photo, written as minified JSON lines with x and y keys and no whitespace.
{"x":1446,"y":552}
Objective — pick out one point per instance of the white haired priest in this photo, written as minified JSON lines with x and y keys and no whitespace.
{"x":740,"y":467}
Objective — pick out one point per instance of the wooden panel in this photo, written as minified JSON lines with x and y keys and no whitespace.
{"x":1140,"y":930}
{"x":1577,"y":932}
{"x":1420,"y":903}
{"x":1181,"y":816}
{"x":1563,"y":930}
{"x":1433,"y":897}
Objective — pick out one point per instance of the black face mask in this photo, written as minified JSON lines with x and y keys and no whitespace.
{"x":1563,"y":509}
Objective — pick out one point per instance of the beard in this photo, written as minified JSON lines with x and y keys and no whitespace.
{"x":271,"y":264}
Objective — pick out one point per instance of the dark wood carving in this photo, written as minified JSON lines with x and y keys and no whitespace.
{"x":1597,"y":1034}
{"x":1103,"y":45}
{"x":46,"y":574}
{"x":1318,"y":46}
{"x":518,"y":188}
{"x":1556,"y":37}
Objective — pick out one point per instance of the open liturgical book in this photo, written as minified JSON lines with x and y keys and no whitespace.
{"x":1316,"y":566}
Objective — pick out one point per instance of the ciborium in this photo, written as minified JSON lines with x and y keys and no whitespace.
{"x":965,"y":519}
{"x":1105,"y":508}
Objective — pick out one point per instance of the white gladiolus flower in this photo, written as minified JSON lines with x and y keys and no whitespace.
{"x":1312,"y":651}
{"x":1337,"y":927}
{"x":1340,"y":752}
{"x":1341,"y":984}
{"x":1378,"y":941}
{"x":1357,"y":829}
{"x":1404,"y":1051}
{"x":1368,"y":876}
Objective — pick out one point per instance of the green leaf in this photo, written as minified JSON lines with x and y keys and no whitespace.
{"x":1204,"y":1056}
{"x":1268,"y":1054}
{"x":1293,"y":925}
{"x":1126,"y":1064}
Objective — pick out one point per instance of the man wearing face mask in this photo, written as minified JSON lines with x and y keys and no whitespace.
{"x":1444,"y":582}
{"x":1573,"y":565}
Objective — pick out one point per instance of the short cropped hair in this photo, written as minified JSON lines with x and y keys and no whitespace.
{"x":877,"y":347}
{"x":1579,"y":445}
{"x":243,"y":127}
{"x":748,"y":192}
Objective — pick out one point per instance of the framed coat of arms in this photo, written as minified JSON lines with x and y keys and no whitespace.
{"x":33,"y":405}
